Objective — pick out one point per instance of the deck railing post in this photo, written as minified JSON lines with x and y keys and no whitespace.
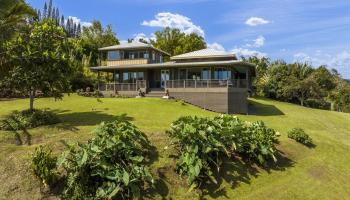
{"x":195,"y":83}
{"x":184,"y":83}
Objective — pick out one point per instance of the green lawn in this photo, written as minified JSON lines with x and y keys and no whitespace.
{"x":322,"y":172}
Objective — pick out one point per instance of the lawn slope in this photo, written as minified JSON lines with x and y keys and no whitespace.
{"x":322,"y":172}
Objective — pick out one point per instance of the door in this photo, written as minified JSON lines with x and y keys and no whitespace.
{"x":164,"y":77}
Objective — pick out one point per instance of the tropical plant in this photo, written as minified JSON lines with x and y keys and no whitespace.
{"x":200,"y":147}
{"x":13,"y":14}
{"x":204,"y":143}
{"x":254,"y":140}
{"x":44,"y":165}
{"x":300,"y":136}
{"x":109,"y":166}
{"x":28,"y":119}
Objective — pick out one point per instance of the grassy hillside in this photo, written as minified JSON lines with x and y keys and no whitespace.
{"x":322,"y":172}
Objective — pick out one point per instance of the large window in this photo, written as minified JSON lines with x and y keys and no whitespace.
{"x":132,"y":77}
{"x":205,"y":73}
{"x":114,"y":55}
{"x":194,"y":73}
{"x":221,"y":73}
{"x":182,"y":74}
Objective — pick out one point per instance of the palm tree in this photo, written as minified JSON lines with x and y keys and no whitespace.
{"x":13,"y":14}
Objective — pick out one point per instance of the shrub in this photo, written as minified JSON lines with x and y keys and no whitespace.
{"x":317,"y":103}
{"x":200,"y":145}
{"x":111,"y":165}
{"x":254,"y":140}
{"x":203,"y":143}
{"x":300,"y":136}
{"x":44,"y":165}
{"x":29,"y":119}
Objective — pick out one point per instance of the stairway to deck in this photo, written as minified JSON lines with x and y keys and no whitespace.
{"x":157,"y":92}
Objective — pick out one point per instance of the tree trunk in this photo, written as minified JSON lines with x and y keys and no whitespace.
{"x":31,"y":100}
{"x":302,"y":100}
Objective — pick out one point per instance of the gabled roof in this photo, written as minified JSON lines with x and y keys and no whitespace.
{"x":132,"y":45}
{"x":204,"y":53}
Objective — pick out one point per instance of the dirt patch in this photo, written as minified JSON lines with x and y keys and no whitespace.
{"x":318,"y":173}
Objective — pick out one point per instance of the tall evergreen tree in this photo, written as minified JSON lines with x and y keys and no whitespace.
{"x":39,"y":15}
{"x":49,"y":10}
{"x":79,"y":30}
{"x":57,"y":17}
{"x":44,"y":11}
{"x":74,"y":30}
{"x":63,"y":23}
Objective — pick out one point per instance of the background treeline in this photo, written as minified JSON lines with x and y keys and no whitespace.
{"x":19,"y":24}
{"x":301,"y":83}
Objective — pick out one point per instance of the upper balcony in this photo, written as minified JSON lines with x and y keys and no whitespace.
{"x":131,"y":54}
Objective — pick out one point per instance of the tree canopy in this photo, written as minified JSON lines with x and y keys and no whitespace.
{"x":176,"y":42}
{"x":40,"y":60}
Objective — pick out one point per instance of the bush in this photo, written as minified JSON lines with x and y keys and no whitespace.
{"x":253,"y":140}
{"x":110,"y":166}
{"x":89,"y":93}
{"x":317,"y":103}
{"x":300,"y":136}
{"x":44,"y":165}
{"x":204,"y":143}
{"x":201,"y":147}
{"x":28,"y":119}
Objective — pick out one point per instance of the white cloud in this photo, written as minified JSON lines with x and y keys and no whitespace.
{"x":258,"y":42}
{"x":255,"y":21}
{"x":248,"y":53}
{"x":216,"y":46}
{"x":167,"y":19}
{"x":143,"y":36}
{"x":339,"y":61}
{"x":82,"y":23}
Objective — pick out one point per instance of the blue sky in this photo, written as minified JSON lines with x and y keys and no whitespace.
{"x":316,"y":31}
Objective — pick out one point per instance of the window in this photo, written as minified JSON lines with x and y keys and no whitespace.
{"x":143,"y":54}
{"x":125,"y":77}
{"x":140,"y":76}
{"x":182,"y":74}
{"x":205,"y":73}
{"x":131,"y":55}
{"x":194,"y":73}
{"x":153,"y":56}
{"x":114,"y":55}
{"x":116,"y":77}
{"x":222,"y":73}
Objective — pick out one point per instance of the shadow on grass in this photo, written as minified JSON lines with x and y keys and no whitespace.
{"x":71,"y":120}
{"x":240,"y":171}
{"x":259,"y":109}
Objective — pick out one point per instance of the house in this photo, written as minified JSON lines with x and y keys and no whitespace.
{"x":208,"y":78}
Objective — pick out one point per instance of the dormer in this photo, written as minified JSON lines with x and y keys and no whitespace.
{"x":133,"y":53}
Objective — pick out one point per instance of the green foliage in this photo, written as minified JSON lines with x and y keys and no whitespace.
{"x":29,"y":119}
{"x":204,"y":143}
{"x":341,"y":97}
{"x":317,"y":103}
{"x":44,"y":165}
{"x":110,"y":166}
{"x":175,"y":42}
{"x":40,"y":60}
{"x":253,"y":140}
{"x":300,"y":136}
{"x":95,"y":37}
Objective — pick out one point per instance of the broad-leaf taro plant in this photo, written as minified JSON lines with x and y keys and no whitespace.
{"x":204,"y":143}
{"x":110,"y":166}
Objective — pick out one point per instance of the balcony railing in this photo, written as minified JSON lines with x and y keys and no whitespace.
{"x":122,"y":86}
{"x":143,"y":84}
{"x":234,"y":83}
